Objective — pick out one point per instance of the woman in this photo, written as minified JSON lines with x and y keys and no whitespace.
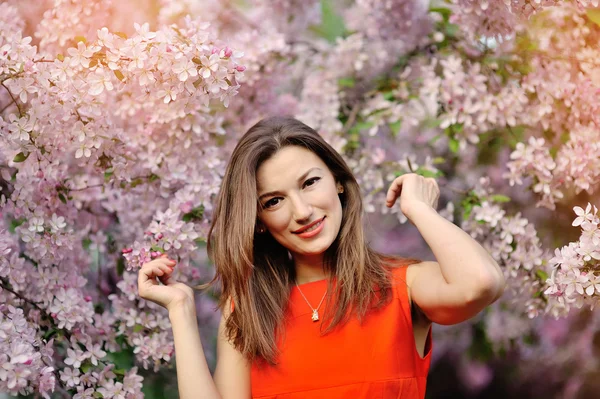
{"x":309,"y":310}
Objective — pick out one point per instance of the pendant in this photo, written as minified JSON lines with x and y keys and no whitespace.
{"x":315,"y":315}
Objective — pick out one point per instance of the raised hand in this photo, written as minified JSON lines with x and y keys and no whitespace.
{"x":170,"y":293}
{"x":413,"y":189}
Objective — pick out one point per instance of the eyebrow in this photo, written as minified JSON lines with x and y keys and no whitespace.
{"x":270,"y":193}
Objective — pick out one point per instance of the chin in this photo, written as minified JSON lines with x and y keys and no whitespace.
{"x":316,"y":249}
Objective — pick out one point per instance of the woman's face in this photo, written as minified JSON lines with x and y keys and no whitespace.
{"x":296,"y":189}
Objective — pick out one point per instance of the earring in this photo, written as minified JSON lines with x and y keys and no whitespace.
{"x":340,"y":189}
{"x":261,"y":230}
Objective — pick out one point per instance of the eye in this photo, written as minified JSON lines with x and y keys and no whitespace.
{"x":270,"y":203}
{"x":312,"y":180}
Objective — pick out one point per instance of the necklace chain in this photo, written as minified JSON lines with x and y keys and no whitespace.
{"x":315,"y":313}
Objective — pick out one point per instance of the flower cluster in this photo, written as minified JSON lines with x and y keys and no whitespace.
{"x":575,"y":280}
{"x":514,"y":243}
{"x":502,"y":18}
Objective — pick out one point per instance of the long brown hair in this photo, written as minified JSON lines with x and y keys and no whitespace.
{"x":256,"y":272}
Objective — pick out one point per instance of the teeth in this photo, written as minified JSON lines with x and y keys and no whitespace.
{"x":313,"y":227}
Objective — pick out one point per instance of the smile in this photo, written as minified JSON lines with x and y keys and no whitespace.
{"x":312,"y":230}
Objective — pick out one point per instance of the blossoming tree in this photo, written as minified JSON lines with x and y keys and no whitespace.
{"x":117,"y":120}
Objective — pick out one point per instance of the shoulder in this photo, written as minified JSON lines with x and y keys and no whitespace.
{"x":414,"y":269}
{"x":403,"y":269}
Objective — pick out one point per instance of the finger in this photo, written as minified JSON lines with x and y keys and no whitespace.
{"x":149,"y":272}
{"x":166,"y":261}
{"x":394,"y":190}
{"x":166,"y":269}
{"x":435,"y":183}
{"x":165,"y":278}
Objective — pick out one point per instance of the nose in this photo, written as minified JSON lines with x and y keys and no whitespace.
{"x":302,"y":210}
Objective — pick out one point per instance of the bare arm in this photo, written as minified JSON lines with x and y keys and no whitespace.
{"x":232,"y":377}
{"x":193,"y":375}
{"x":466,"y":279}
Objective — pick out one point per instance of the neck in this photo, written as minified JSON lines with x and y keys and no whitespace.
{"x":309,"y":269}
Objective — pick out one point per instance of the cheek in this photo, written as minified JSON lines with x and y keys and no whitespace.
{"x":276,"y":222}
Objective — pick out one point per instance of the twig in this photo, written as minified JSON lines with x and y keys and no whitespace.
{"x":351,"y":119}
{"x":5,"y":107}
{"x":4,"y":285}
{"x":14,"y":100}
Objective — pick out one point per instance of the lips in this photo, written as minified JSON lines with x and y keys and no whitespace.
{"x":302,"y":229}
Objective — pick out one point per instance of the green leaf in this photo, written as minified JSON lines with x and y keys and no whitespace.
{"x":136,"y":182}
{"x":332,"y":25}
{"x":346,"y":82}
{"x":427,"y":172}
{"x":120,"y":265}
{"x":541,"y":274}
{"x":14,"y":223}
{"x":86,"y":366}
{"x":138,"y":328}
{"x":119,"y":371}
{"x":20,"y":157}
{"x":196,"y":60}
{"x":453,"y":145}
{"x":119,"y":75}
{"x":62,"y":198}
{"x":195,"y":214}
{"x":388,"y":95}
{"x":98,"y":395}
{"x":500,"y":198}
{"x":49,"y":334}
{"x":123,"y":359}
{"x":361,"y":126}
{"x":121,"y":35}
{"x":80,"y":39}
{"x":435,"y":139}
{"x":481,"y":347}
{"x":431,"y":123}
{"x":156,"y":248}
{"x":451,"y":30}
{"x":60,"y":57}
{"x":445,"y":12}
{"x":99,"y":308}
{"x":395,"y":127}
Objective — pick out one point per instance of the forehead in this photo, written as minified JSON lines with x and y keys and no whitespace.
{"x":285,"y":167}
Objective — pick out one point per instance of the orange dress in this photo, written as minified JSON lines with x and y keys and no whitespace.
{"x":377,"y":360}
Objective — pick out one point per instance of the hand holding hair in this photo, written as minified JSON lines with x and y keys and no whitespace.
{"x":166,"y":291}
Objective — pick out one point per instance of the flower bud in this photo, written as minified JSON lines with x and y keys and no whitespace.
{"x":240,"y":68}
